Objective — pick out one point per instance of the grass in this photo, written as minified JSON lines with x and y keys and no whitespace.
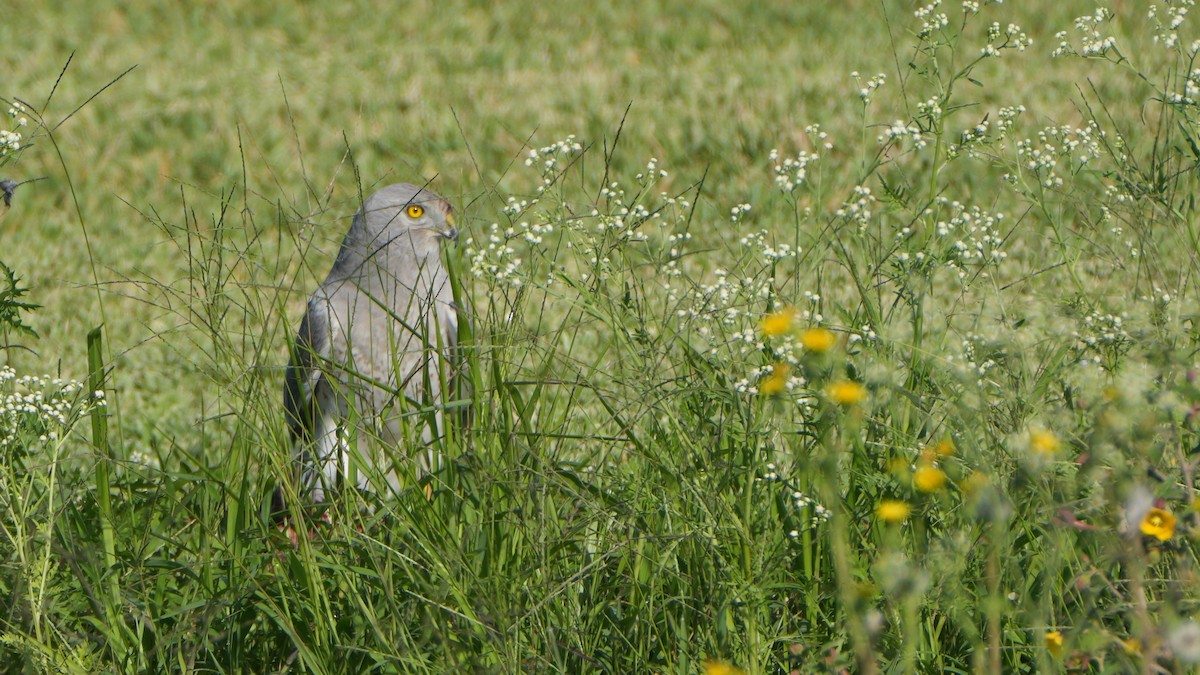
{"x":930,"y":406}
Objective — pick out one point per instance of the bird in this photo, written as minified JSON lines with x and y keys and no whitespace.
{"x":371,"y":360}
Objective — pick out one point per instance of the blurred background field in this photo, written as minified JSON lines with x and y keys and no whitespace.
{"x":971,"y":471}
{"x":413,"y":93}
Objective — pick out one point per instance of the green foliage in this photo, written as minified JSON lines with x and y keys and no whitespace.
{"x":12,"y":306}
{"x":915,"y":391}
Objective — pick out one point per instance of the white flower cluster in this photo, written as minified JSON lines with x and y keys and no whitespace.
{"x":864,"y":333}
{"x":820,"y":514}
{"x":515,"y":208}
{"x":800,"y":500}
{"x":931,"y":19}
{"x":1006,"y":118}
{"x":972,"y":6}
{"x":1119,"y":195}
{"x":497,"y":259}
{"x":969,"y":139}
{"x":899,"y":130}
{"x":1013,"y":38}
{"x":723,"y":305}
{"x":736,"y":213}
{"x":652,"y":171}
{"x":874,"y":83}
{"x":1092,"y":42}
{"x":526,"y":250}
{"x":10,"y":141}
{"x":675,"y":241}
{"x":625,"y":225}
{"x":620,"y":221}
{"x":1064,"y":144}
{"x":815,"y":135}
{"x":1104,"y":337}
{"x":979,"y":357}
{"x":931,"y":108}
{"x":1160,"y":297}
{"x":985,"y":133}
{"x":762,"y":242}
{"x":771,"y":474}
{"x":18,"y":111}
{"x":857,"y":209}
{"x":973,"y":235}
{"x":967,"y":241}
{"x":547,"y":158}
{"x":1168,"y":33}
{"x":721,"y":288}
{"x":792,"y":172}
{"x":40,"y":409}
{"x":1160,"y":304}
{"x":1191,"y":90}
{"x":144,"y":459}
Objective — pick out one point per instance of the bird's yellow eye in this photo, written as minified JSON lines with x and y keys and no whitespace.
{"x":415,"y":210}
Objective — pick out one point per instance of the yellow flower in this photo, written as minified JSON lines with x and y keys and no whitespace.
{"x":944,"y":447}
{"x":846,"y":392}
{"x":893,"y":510}
{"x":1054,"y":642}
{"x":712,"y":667}
{"x":778,"y":322}
{"x":1158,"y":523}
{"x":776,"y":382}
{"x":929,"y":478}
{"x":817,"y":340}
{"x":1132,"y":646}
{"x":1044,"y":442}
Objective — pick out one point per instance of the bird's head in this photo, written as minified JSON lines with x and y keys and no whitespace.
{"x":407,"y":216}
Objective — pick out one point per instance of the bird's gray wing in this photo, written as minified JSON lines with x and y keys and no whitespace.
{"x":304,"y":371}
{"x":459,"y":384}
{"x":450,"y":329}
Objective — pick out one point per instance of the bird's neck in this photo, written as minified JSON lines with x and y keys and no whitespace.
{"x":395,"y":273}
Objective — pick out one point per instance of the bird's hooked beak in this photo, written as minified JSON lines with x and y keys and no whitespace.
{"x":452,"y":233}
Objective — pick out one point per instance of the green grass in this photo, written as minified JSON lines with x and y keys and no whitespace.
{"x":625,"y":499}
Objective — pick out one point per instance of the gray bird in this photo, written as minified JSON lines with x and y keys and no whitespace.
{"x":370,"y":360}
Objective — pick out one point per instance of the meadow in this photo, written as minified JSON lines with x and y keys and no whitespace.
{"x":803,"y":338}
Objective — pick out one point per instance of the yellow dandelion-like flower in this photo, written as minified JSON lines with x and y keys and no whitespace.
{"x":893,"y":510}
{"x":1054,"y":642}
{"x":846,"y":392}
{"x":1158,"y":523}
{"x":712,"y":667}
{"x":817,"y":340}
{"x":929,"y":478}
{"x":1044,"y":442}
{"x":778,"y":322}
{"x":944,"y":447}
{"x":776,"y":382}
